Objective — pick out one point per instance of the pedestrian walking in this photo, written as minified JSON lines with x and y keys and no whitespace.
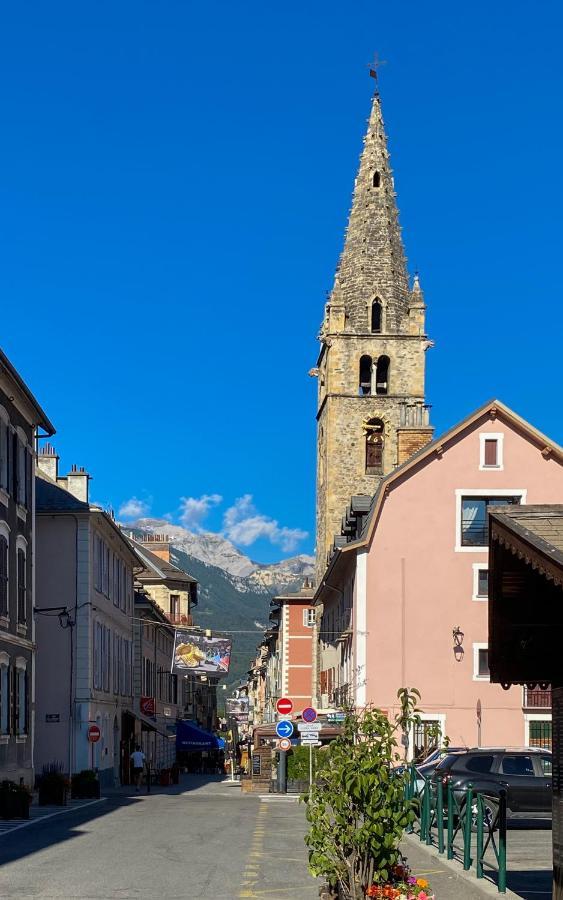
{"x":138,"y":761}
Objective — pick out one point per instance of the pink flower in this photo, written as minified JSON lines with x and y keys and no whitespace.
{"x":411,"y":880}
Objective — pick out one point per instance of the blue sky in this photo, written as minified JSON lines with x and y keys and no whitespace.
{"x":175,"y":186}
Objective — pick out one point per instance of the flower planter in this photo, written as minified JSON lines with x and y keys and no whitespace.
{"x":14,"y":804}
{"x":53,"y":795}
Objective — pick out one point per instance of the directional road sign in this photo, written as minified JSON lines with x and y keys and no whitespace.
{"x":284,"y":705}
{"x":309,"y":714}
{"x":309,"y":726}
{"x":284,"y":729}
{"x":284,"y":744}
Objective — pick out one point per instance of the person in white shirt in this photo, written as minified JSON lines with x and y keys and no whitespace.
{"x":138,"y":762}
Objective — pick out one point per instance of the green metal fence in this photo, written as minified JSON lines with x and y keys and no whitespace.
{"x":471,"y":818}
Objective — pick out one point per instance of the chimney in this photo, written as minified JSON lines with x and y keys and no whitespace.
{"x":48,"y":461}
{"x":159,"y":544}
{"x":76,"y":483}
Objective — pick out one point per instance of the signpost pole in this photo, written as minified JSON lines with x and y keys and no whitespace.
{"x":310,"y":766}
{"x":282,"y":772}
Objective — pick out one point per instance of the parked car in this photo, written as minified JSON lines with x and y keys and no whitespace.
{"x":524,"y":772}
{"x":438,"y":754}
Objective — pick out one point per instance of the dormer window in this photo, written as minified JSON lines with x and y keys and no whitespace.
{"x":377,"y":179}
{"x":376,"y":316}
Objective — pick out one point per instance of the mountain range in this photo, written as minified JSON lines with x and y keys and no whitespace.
{"x":234,"y":591}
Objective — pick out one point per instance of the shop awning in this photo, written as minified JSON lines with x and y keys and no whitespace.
{"x":190,"y":736}
{"x":153,"y":725}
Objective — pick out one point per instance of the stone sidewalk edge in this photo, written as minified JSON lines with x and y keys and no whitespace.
{"x":59,"y":812}
{"x":487,"y":888}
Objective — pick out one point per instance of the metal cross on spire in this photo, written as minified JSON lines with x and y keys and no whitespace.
{"x":375,"y":65}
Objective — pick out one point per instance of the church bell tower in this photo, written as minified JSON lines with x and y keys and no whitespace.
{"x":371,"y":413}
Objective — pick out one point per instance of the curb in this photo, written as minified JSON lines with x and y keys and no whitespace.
{"x":486,"y":887}
{"x":59,"y":812}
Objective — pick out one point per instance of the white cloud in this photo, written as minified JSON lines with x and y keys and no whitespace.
{"x":134,"y":509}
{"x":193,"y":510}
{"x":244,"y":525}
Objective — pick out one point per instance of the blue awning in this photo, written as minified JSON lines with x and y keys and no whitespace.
{"x":190,"y":736}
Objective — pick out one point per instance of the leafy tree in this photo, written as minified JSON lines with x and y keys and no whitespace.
{"x":358,"y":809}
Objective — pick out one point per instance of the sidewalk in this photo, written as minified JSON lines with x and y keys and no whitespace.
{"x":451,"y":882}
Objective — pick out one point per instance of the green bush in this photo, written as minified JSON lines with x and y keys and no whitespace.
{"x":298,"y":763}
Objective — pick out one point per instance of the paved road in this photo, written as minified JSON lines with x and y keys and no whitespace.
{"x":202,"y":840}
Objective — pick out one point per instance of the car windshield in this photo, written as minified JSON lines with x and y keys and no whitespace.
{"x":448,"y":761}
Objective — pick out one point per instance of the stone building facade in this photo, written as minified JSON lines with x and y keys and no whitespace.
{"x":22,"y":421}
{"x":371,"y":411}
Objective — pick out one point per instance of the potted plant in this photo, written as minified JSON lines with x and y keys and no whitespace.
{"x":359,"y":808}
{"x":54,"y":786}
{"x":15,"y":800}
{"x":85,"y":785}
{"x":165,"y":777}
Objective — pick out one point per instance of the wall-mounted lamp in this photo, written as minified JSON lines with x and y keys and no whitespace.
{"x":458,"y":636}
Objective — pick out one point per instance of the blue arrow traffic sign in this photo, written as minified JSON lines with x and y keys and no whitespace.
{"x":284,"y":729}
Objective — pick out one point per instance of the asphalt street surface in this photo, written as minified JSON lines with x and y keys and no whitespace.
{"x":204,"y":839}
{"x":199,"y":840}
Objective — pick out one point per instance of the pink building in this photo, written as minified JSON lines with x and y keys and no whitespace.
{"x":404,"y":602}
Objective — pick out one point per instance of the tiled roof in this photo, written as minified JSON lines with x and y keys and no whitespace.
{"x":539,"y":525}
{"x":155,"y":566}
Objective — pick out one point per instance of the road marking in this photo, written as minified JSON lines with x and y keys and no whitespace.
{"x":59,"y":812}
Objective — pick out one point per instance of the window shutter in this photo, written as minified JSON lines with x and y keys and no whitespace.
{"x":15,"y":699}
{"x":28,"y":477}
{"x":323,"y":682}
{"x":3,"y":576}
{"x":491,"y":448}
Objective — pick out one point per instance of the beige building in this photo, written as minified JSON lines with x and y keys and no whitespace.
{"x":372,"y":413}
{"x":172,"y":589}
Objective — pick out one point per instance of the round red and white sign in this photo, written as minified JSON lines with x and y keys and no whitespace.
{"x":284,"y":744}
{"x":94,"y":734}
{"x":284,"y":706}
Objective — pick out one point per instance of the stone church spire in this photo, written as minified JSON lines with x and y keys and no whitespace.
{"x":372,"y":264}
{"x":371,"y":413}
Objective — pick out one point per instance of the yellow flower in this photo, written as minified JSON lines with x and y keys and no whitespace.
{"x":421,"y":882}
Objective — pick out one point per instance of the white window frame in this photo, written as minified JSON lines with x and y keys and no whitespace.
{"x":478,"y":567}
{"x":535,"y":717}
{"x":480,"y":645}
{"x":309,"y":617}
{"x":480,"y":492}
{"x":427,"y":717}
{"x":6,"y":699}
{"x":497,"y":436}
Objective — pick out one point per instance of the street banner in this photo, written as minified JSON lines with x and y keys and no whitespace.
{"x":200,"y":655}
{"x":236,"y":706}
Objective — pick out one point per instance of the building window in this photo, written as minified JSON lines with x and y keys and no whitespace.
{"x":308,"y":618}
{"x":376,"y":316}
{"x":174,"y":606}
{"x":480,"y":582}
{"x":365,"y":375}
{"x":474,"y":520}
{"x":481,"y":662}
{"x":4,"y":438}
{"x":374,"y":447}
{"x":382,"y":375}
{"x":98,"y":656}
{"x":377,"y":179}
{"x":4,"y":581}
{"x":4,"y":693}
{"x":20,"y":697}
{"x":22,"y":586}
{"x":540,"y":734}
{"x":491,"y":451}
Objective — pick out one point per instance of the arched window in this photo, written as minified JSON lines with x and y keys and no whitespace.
{"x":382,"y":375}
{"x":375,"y":442}
{"x":376,"y":179}
{"x":376,"y":316}
{"x":365,"y":375}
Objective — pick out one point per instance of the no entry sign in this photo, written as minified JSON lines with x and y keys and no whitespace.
{"x":94,"y":734}
{"x":284,"y":706}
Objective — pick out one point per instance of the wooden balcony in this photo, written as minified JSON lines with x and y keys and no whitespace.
{"x":536,"y":698}
{"x":180,"y":619}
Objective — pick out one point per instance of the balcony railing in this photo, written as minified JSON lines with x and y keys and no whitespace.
{"x":536,"y":698}
{"x":179,"y":619}
{"x":342,"y":696}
